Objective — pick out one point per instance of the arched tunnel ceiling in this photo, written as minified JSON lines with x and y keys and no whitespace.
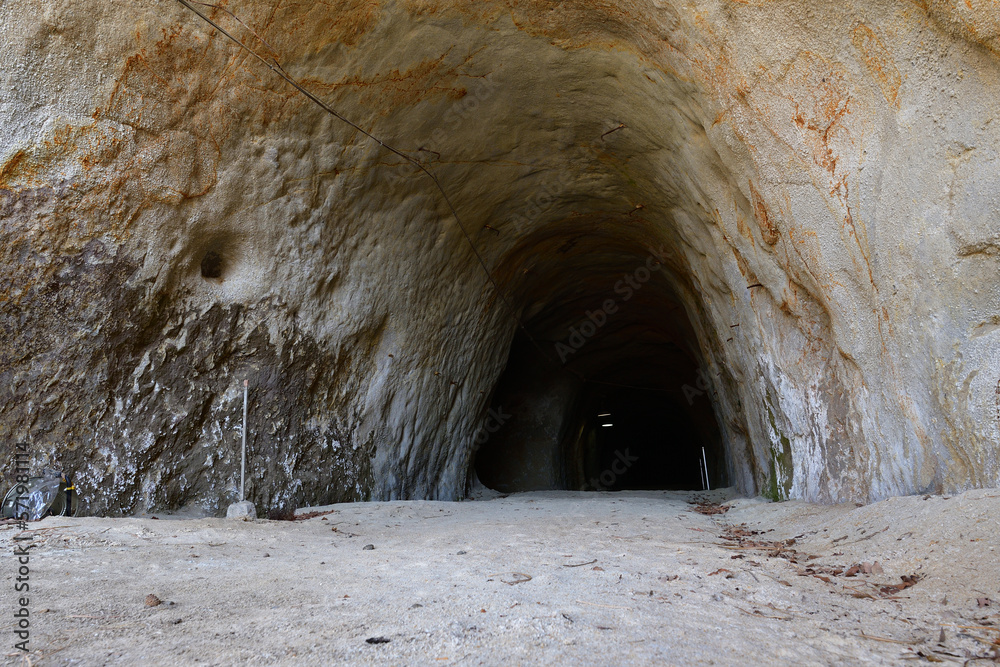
{"x":816,"y":181}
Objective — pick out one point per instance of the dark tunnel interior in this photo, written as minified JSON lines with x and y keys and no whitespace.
{"x":639,"y":420}
{"x":636,"y":439}
{"x":603,"y":389}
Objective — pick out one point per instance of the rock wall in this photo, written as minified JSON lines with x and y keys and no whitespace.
{"x":176,"y":219}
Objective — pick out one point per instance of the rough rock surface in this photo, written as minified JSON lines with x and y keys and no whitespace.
{"x":176,"y":219}
{"x":244,"y":510}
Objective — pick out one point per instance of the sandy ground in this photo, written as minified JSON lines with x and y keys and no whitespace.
{"x":632,"y":578}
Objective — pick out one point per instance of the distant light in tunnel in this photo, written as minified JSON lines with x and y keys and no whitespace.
{"x":606,"y":425}
{"x":604,"y":414}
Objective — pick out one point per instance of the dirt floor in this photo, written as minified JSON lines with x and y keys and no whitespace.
{"x":633,"y":578}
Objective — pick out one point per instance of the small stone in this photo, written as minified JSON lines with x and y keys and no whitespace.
{"x":461,"y":553}
{"x":377,"y":640}
{"x":152,"y":600}
{"x":243,"y":510}
{"x":368,"y":547}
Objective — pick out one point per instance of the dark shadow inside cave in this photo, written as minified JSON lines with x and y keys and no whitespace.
{"x":638,"y":439}
{"x":606,"y":340}
{"x":549,"y":429}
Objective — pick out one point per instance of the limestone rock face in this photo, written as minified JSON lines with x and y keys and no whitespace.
{"x":804,"y":195}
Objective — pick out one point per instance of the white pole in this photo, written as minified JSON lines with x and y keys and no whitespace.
{"x":708,"y":486}
{"x":243,"y":463}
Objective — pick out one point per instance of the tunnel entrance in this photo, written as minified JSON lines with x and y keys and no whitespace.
{"x":604,"y":389}
{"x":639,"y":424}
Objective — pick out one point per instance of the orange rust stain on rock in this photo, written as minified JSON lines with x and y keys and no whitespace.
{"x":475,"y":12}
{"x":879,"y":62}
{"x":395,"y":89}
{"x":821,"y":107}
{"x":768,"y":229}
{"x":182,"y":96}
{"x":25,"y":169}
{"x":299,"y":28}
{"x":12,"y":169}
{"x":743,"y":227}
{"x":575,"y":24}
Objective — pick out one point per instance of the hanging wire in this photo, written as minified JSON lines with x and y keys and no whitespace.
{"x":276,"y":67}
